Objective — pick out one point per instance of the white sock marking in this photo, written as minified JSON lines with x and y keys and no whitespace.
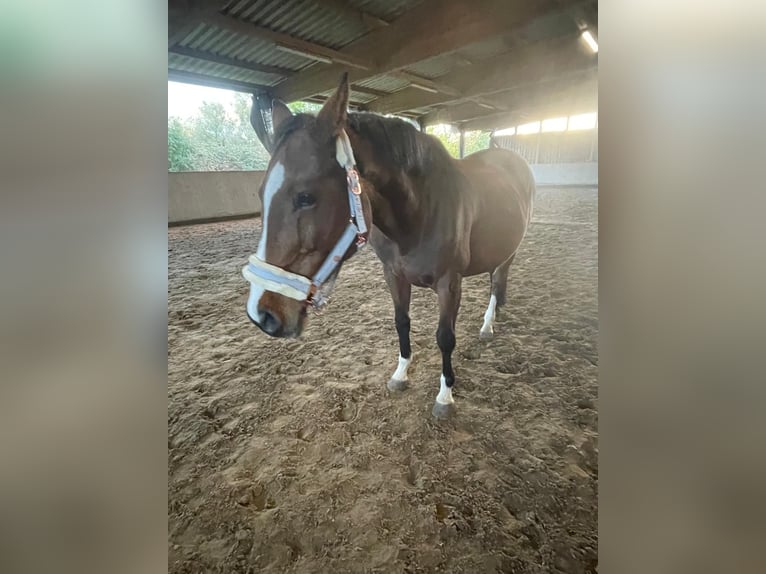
{"x":274,"y":183}
{"x":489,"y":316}
{"x":401,"y":370}
{"x":445,"y":393}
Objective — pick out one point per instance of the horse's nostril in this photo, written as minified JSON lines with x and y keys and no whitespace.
{"x":269,"y":322}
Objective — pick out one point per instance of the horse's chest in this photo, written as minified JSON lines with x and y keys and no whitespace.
{"x":422,"y":265}
{"x":420,"y":269}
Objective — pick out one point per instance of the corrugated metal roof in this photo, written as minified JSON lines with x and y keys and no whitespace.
{"x":304,"y":19}
{"x":433,"y":67}
{"x":208,"y":38}
{"x":384,"y":83}
{"x":187,"y":64}
{"x":386,"y":9}
{"x":547,"y":27}
{"x":486,"y":49}
{"x":354,"y":96}
{"x":333,"y":25}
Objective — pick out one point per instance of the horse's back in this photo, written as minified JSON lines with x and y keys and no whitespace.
{"x":504,"y":170}
{"x":502,"y":189}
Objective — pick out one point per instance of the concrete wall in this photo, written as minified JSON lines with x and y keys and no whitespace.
{"x":210,"y":195}
{"x":580,"y":174}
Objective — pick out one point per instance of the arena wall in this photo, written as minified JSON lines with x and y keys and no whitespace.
{"x":213,"y":195}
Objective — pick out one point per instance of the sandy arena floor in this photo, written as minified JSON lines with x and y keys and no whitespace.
{"x":291,"y":456}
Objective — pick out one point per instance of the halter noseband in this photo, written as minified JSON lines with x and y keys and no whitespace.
{"x":298,"y":287}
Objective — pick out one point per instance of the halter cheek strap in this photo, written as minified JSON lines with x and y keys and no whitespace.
{"x":298,"y":287}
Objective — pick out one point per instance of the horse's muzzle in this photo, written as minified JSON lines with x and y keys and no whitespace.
{"x":269,"y":323}
{"x":274,"y":314}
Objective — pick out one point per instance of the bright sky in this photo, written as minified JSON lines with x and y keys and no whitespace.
{"x":185,"y":99}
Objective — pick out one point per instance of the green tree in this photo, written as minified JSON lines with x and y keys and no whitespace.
{"x":214,"y":140}
{"x":180,"y":147}
{"x":217,"y":140}
{"x":476,"y":141}
{"x":450,"y":137}
{"x":304,"y":108}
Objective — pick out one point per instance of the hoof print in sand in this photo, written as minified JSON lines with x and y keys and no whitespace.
{"x":346,"y":413}
{"x":257,"y":498}
{"x":306,"y":433}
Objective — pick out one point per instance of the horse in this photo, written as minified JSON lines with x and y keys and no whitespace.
{"x":338,"y":180}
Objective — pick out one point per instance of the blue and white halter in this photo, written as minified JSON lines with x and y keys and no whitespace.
{"x":298,"y":287}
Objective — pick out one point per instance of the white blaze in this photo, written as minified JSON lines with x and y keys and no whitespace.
{"x":274,"y":183}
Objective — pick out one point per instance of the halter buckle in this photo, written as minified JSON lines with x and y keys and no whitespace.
{"x":353,"y":181}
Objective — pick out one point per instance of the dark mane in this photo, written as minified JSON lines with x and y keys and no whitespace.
{"x":399,"y":144}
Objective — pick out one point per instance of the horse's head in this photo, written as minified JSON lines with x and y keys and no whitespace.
{"x":308,"y":227}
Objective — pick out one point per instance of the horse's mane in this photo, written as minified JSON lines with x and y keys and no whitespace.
{"x":398,"y":144}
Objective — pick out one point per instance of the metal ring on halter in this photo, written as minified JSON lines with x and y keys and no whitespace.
{"x":302,"y":288}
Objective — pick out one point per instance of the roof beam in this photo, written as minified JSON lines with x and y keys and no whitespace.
{"x":532,"y":64}
{"x":345,"y":8}
{"x":369,"y":91}
{"x":431,"y":28}
{"x":208,"y":57}
{"x":214,"y":82}
{"x":488,"y":104}
{"x":185,"y":15}
{"x":286,"y":41}
{"x":574,"y":89}
{"x":425,"y":84}
{"x":574,"y":101}
{"x":322,"y":99}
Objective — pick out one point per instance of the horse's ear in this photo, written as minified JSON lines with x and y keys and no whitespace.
{"x":335,"y":110}
{"x":279,"y":113}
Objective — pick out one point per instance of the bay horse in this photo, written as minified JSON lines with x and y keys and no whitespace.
{"x":337,"y":179}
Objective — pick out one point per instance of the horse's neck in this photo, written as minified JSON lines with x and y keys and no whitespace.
{"x":401,"y":205}
{"x":394,"y":210}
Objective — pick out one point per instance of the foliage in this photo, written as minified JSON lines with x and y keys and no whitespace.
{"x":450,"y":137}
{"x":180,"y":147}
{"x":214,"y":140}
{"x":304,"y":108}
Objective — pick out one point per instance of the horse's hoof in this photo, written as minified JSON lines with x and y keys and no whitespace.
{"x":442,"y":411}
{"x":486,"y":335}
{"x":396,"y":386}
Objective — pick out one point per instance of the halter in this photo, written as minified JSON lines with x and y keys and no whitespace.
{"x":298,"y":287}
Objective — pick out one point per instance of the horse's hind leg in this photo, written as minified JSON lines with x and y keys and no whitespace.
{"x":401,"y":291}
{"x":499,"y":281}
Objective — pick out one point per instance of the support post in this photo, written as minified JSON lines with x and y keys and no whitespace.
{"x":462,"y":143}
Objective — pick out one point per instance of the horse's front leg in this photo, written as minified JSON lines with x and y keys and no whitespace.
{"x":401,"y":291}
{"x":448,"y":290}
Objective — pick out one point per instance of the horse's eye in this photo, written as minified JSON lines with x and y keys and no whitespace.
{"x":304,"y":200}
